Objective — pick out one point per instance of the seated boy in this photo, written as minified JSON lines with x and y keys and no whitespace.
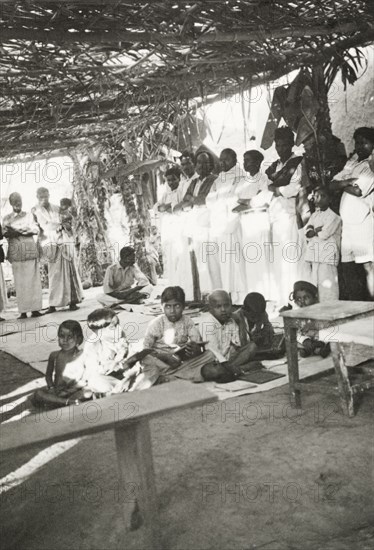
{"x":221,"y":331}
{"x":176,"y":343}
{"x":305,"y":294}
{"x":119,"y":280}
{"x":253,"y":321}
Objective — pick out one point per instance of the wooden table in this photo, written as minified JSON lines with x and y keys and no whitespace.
{"x":322,"y":316}
{"x":128,"y":414}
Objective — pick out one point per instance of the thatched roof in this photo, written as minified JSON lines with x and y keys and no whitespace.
{"x":73,"y":71}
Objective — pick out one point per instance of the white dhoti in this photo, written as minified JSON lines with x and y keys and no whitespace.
{"x":3,"y":294}
{"x":285,"y":257}
{"x":181,"y":275}
{"x":109,"y":301}
{"x":199,"y":232}
{"x":325,"y":278}
{"x":225,"y":260}
{"x":167,"y":245}
{"x":256,"y":249}
{"x":28,"y":285}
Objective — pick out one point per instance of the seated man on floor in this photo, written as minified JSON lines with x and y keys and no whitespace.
{"x":119,"y":282}
{"x":221,"y":332}
{"x":176,"y":343}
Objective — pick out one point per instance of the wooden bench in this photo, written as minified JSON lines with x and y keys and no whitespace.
{"x":326,"y":316}
{"x":128,"y":415}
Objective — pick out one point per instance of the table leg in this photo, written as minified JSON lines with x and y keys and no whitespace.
{"x":137,"y":489}
{"x":345,"y":390}
{"x":292,"y":362}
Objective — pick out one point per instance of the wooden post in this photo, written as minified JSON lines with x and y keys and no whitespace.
{"x":137,"y":484}
{"x":345,"y":390}
{"x":293,"y":362}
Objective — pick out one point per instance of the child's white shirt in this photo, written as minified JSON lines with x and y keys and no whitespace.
{"x":102,"y":356}
{"x":325,"y":247}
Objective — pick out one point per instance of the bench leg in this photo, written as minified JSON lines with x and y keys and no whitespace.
{"x":345,"y":390}
{"x":138,"y":490}
{"x":292,"y":363}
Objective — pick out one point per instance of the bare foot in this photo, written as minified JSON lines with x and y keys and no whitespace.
{"x":36,"y":314}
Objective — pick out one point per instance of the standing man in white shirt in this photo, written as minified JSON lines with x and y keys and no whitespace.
{"x":187,"y":161}
{"x":223,"y":252}
{"x":285,"y":176}
{"x":356,"y":181}
{"x":253,"y":207}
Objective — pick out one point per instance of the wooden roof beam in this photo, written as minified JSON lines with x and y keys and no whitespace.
{"x":37,"y":35}
{"x":41,"y":146}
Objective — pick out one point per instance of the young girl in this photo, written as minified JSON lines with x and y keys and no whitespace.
{"x":65,"y":376}
{"x":305,"y":294}
{"x":175,"y":341}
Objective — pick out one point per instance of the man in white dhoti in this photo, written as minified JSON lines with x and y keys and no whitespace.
{"x":253,"y":202}
{"x":285,"y":176}
{"x":172,"y":245}
{"x":197,"y":222}
{"x":19,"y":229}
{"x":356,"y":181}
{"x":65,"y":288}
{"x":182,"y":274}
{"x":223,"y":249}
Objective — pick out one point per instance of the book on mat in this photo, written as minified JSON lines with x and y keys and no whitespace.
{"x":237,"y":385}
{"x":260,"y":376}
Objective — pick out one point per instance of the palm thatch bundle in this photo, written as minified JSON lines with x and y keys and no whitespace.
{"x":76,"y":72}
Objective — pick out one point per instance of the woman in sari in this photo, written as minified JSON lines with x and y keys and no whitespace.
{"x":57,"y":244}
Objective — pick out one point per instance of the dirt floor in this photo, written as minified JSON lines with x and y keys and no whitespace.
{"x":246,"y":473}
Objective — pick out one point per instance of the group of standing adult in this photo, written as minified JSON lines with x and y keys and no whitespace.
{"x":245,"y":230}
{"x":41,"y":236}
{"x":230,"y":243}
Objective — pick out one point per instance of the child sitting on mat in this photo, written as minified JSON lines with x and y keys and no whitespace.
{"x":220,"y":330}
{"x":65,"y":376}
{"x":305,"y":294}
{"x":108,"y":370}
{"x":254,"y":322}
{"x":254,"y":326}
{"x":175,"y":341}
{"x":105,"y":351}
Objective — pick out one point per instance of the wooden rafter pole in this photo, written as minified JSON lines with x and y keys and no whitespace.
{"x":147,"y":100}
{"x":113,"y":36}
